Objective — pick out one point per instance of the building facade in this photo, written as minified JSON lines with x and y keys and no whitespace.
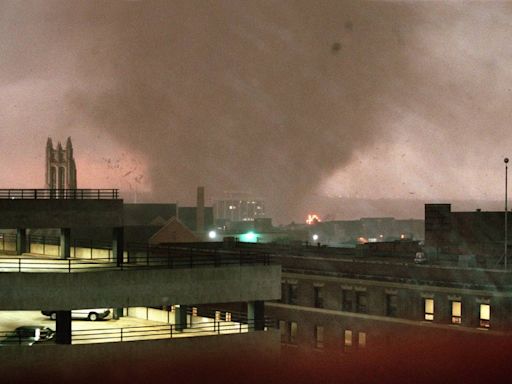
{"x":479,"y":234}
{"x":342,"y":299}
{"x":336,"y":304}
{"x":238,"y":207}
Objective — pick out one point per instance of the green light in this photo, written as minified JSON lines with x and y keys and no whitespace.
{"x":249,"y":237}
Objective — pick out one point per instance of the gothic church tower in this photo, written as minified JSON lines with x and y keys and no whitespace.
{"x":60,"y":166}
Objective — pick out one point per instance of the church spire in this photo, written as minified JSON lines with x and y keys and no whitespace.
{"x":60,"y":166}
{"x":69,"y":148}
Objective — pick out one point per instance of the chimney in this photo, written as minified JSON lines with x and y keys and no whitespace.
{"x":200,"y":210}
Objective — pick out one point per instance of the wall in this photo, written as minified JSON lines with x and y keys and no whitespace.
{"x":60,"y":213}
{"x":76,"y":361}
{"x":132,"y":288}
{"x":378,"y":327}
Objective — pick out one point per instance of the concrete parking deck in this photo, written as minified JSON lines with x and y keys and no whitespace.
{"x":124,"y":329}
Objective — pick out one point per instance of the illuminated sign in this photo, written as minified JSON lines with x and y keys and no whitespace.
{"x":249,"y":237}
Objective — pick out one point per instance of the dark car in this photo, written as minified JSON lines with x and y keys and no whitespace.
{"x":28,"y":335}
{"x":89,"y":314}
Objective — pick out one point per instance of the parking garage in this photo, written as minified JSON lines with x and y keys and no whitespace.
{"x":136,"y":324}
{"x":124,"y":281}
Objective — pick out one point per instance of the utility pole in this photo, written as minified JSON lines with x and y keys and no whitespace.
{"x":506,"y":211}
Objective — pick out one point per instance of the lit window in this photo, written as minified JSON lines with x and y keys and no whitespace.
{"x":348,"y":338}
{"x":319,"y":336}
{"x":228,"y":316}
{"x":485,"y":315}
{"x":194,"y":311}
{"x":362,"y":339}
{"x":293,"y":332}
{"x":217,"y":315}
{"x":429,"y":309}
{"x":456,"y":312}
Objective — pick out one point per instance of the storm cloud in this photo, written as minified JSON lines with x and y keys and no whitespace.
{"x":271,"y":97}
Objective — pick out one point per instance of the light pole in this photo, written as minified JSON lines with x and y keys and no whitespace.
{"x":506,"y":211}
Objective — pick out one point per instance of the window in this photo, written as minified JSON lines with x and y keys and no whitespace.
{"x":319,"y":300}
{"x":429,"y":309}
{"x":362,"y":339}
{"x":319,"y":337}
{"x":362,"y":302}
{"x":485,"y":315}
{"x":194,"y":311}
{"x":456,"y":312}
{"x":292,"y":294}
{"x":348,"y":338}
{"x":293,"y":332}
{"x":283,"y":293}
{"x":228,"y":316}
{"x":346,"y":300}
{"x":282,"y":329}
{"x":217,"y":315}
{"x":391,"y":305}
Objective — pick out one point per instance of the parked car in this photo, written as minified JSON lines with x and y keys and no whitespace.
{"x":89,"y":314}
{"x":28,"y":335}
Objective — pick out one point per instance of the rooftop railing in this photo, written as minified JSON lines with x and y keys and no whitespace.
{"x":66,"y":194}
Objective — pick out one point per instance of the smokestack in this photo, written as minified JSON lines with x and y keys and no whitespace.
{"x":200,"y":210}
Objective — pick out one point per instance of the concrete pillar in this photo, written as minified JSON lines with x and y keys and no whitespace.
{"x":256,"y":315}
{"x":181,"y":317}
{"x":63,"y":327}
{"x":117,"y":313}
{"x":21,"y":241}
{"x":118,"y":245}
{"x":65,"y":243}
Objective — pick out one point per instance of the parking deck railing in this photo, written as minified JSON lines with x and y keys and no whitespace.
{"x":154,"y":259}
{"x":164,"y":331}
{"x":89,"y":255}
{"x":68,"y":194}
{"x":146,"y":332}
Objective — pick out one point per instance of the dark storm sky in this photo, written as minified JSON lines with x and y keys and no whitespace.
{"x":284,"y":99}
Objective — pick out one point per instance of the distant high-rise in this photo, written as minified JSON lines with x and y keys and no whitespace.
{"x":239,"y":206}
{"x":60,"y":166}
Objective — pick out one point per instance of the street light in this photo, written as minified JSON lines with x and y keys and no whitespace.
{"x":315,"y":237}
{"x":506,"y":211}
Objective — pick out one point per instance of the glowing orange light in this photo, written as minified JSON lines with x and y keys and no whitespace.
{"x":312,"y":219}
{"x":362,"y":240}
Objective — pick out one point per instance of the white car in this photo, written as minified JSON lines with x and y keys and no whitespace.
{"x":89,"y":314}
